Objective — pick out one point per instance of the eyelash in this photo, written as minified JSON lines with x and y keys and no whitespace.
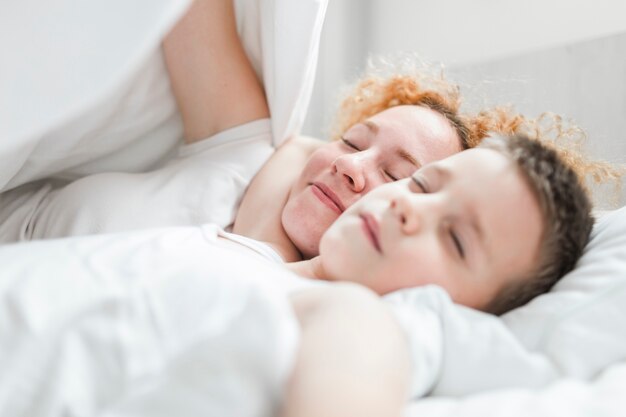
{"x":420,"y":184}
{"x":391,"y":177}
{"x":349,"y":144}
{"x":455,"y":238}
{"x":356,"y":148}
{"x":457,"y":244}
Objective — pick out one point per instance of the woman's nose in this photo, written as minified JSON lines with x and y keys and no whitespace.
{"x":352,"y":169}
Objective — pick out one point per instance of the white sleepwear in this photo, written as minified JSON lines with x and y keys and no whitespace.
{"x":213,"y":231}
{"x":203,"y":184}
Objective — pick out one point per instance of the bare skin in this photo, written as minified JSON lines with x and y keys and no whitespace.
{"x":209,"y":96}
{"x":268,"y":193}
{"x":443,"y":226}
{"x":331,"y":318}
{"x":308,"y":183}
{"x":334,"y":376}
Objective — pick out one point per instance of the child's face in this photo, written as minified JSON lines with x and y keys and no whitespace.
{"x":468,"y":223}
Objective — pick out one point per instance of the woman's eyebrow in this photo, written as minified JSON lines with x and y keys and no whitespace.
{"x":402,"y":153}
{"x":372,"y":126}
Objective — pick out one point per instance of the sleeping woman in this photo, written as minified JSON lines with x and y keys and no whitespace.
{"x":494,"y":226}
{"x":388,"y":129}
{"x":302,"y":187}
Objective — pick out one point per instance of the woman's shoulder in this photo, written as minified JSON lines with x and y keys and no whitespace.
{"x":269,"y":191}
{"x":302,"y":144}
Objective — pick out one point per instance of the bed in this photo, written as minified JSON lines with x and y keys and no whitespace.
{"x":129,"y":338}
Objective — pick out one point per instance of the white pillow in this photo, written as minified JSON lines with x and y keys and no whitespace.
{"x":576,"y":330}
{"x":581,"y":323}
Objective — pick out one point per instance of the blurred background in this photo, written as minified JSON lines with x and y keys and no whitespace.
{"x":563,"y":56}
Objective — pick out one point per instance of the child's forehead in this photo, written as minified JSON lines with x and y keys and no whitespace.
{"x":475,"y":162}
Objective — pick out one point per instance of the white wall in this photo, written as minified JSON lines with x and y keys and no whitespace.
{"x":583,"y":81}
{"x":452,"y":31}
{"x":461,"y":31}
{"x":343,"y":50}
{"x":564,"y":56}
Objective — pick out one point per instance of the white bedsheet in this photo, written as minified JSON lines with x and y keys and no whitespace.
{"x":162,"y":322}
{"x":110,"y":324}
{"x":155,"y":323}
{"x":601,"y":397}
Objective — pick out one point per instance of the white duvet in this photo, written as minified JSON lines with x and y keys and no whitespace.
{"x":151,"y":322}
{"x":163,"y":322}
{"x":85,"y":90}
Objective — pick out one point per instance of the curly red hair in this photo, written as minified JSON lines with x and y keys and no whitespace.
{"x":422,"y":86}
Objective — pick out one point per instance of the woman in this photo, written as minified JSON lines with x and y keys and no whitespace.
{"x":227,"y":141}
{"x":388,"y":128}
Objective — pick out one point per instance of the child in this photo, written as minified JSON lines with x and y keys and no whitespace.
{"x":494,"y":226}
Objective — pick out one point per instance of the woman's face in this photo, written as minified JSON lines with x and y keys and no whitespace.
{"x":469,"y":223}
{"x":388,"y":146}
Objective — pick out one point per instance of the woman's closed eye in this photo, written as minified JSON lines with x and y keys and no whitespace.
{"x":349,"y":144}
{"x":391,"y":176}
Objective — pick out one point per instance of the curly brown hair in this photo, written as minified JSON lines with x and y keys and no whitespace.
{"x":566,"y":213}
{"x":552,"y":130}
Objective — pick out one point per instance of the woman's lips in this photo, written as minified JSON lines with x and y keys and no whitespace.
{"x":326,"y":196}
{"x":370,"y":227}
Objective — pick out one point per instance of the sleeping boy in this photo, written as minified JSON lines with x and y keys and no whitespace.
{"x":494,"y":226}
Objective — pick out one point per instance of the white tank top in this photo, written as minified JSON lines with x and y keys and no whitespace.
{"x":213,"y":231}
{"x":204,"y":184}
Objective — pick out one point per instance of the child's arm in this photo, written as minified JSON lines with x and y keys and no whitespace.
{"x":353,"y":358}
{"x":212,"y":79}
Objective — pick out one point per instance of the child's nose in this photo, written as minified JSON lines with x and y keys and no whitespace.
{"x":408,"y":216}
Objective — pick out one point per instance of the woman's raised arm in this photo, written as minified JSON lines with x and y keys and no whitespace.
{"x":214,"y":84}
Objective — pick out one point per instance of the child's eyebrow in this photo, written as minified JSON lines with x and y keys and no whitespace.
{"x":372,"y":126}
{"x":476,"y":225}
{"x":445,"y":174}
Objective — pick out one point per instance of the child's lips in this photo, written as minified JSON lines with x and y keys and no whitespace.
{"x":370,"y":227}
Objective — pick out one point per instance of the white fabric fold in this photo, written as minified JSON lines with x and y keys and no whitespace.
{"x":85,"y":89}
